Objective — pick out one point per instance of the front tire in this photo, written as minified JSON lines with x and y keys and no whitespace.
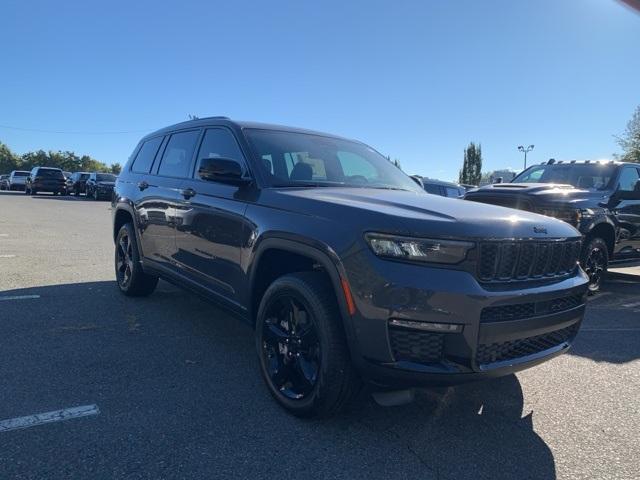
{"x":131,"y":279}
{"x":595,"y":261}
{"x":303,"y":352}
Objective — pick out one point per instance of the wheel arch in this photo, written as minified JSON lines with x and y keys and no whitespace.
{"x":321,"y":257}
{"x":604,"y":230}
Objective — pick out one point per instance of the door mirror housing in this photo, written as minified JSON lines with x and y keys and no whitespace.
{"x":223,"y":170}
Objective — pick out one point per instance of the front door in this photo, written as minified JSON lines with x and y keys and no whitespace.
{"x":210,"y":222}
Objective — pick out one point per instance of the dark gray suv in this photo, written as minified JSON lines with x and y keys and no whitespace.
{"x":349,"y":271}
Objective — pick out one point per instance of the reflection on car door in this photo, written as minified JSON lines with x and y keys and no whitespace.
{"x":210,"y":223}
{"x":627,"y":214}
{"x":160,"y":195}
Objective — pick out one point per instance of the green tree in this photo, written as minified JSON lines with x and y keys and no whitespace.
{"x":116,"y":168}
{"x":8,"y":160}
{"x":629,"y":141}
{"x":471,"y":172}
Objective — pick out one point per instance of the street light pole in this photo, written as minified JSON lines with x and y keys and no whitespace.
{"x":525,"y":151}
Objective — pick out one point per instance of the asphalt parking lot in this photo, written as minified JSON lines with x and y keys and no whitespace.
{"x":170,"y":385}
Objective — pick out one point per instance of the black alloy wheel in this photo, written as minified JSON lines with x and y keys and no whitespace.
{"x":302,"y":348}
{"x":124,"y":260}
{"x":290,"y":347}
{"x":595,"y":262}
{"x":131,"y":278}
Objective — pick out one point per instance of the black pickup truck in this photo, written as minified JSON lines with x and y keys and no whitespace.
{"x":600,"y":199}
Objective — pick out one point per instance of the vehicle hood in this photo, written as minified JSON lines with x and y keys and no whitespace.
{"x":416,"y":213}
{"x":543,"y":194}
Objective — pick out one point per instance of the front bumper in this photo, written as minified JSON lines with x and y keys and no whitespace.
{"x":504,"y":328}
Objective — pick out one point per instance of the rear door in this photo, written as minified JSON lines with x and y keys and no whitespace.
{"x":627,"y":213}
{"x":160,"y":194}
{"x":210,"y":222}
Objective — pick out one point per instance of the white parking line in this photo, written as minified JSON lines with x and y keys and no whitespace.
{"x":19,"y":297}
{"x":4,"y":234}
{"x":7,"y":256}
{"x":48,"y":417}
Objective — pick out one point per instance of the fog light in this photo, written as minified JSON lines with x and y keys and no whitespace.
{"x":427,"y":326}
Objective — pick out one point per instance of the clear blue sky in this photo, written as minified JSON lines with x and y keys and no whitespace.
{"x":417,"y":80}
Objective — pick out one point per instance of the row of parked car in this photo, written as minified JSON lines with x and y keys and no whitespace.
{"x":96,"y":185}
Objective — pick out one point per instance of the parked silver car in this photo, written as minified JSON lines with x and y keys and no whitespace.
{"x":17,"y":179}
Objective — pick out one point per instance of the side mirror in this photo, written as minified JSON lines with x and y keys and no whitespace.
{"x":223,"y":170}
{"x":418,"y":180}
{"x":498,"y":180}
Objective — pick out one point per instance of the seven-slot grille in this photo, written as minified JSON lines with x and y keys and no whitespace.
{"x":525,"y":260}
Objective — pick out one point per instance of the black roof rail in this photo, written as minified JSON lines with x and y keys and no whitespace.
{"x":572,"y":161}
{"x":551,"y":161}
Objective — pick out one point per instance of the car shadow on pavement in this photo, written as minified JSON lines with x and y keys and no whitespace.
{"x":179,"y":380}
{"x":610,"y":331}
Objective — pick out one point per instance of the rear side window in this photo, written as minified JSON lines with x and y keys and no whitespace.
{"x":177,"y":156}
{"x":144,"y":159}
{"x":219,"y":143}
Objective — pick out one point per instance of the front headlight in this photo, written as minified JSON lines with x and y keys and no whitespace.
{"x":570,"y":216}
{"x":418,"y":249}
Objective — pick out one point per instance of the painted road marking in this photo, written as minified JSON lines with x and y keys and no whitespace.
{"x":48,"y":417}
{"x":19,"y":297}
{"x":7,"y":256}
{"x":4,"y":234}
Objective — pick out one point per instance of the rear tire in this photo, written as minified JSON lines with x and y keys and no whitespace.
{"x":303,"y":352}
{"x":131,"y":279}
{"x":595,"y":261}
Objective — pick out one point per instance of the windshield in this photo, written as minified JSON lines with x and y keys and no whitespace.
{"x":105,"y":177}
{"x":49,"y":173}
{"x":594,"y":176}
{"x":290,"y":159}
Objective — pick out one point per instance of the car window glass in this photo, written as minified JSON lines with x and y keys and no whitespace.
{"x":452,"y":192}
{"x":219,"y":143}
{"x":177,"y":156}
{"x":354,"y":166}
{"x":144,"y":159}
{"x":431,"y":188}
{"x":628,"y":179}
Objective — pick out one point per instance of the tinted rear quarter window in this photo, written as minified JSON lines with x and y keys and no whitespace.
{"x":146,"y":155}
{"x":176,"y":158}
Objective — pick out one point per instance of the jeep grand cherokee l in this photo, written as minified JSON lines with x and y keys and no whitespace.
{"x":346,"y":268}
{"x":600,"y":199}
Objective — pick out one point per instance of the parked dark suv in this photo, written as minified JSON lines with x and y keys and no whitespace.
{"x":45,"y":179}
{"x":348,"y":270}
{"x":600,"y":199}
{"x":76,"y":183}
{"x":100,"y":185}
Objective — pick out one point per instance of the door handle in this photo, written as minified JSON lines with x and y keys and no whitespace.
{"x":143,"y":185}
{"x":188,"y":193}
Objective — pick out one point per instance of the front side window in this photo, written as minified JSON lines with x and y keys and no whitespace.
{"x":293,"y":159}
{"x":146,"y":155}
{"x":176,"y":159}
{"x":219,"y":143}
{"x":628,"y":179}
